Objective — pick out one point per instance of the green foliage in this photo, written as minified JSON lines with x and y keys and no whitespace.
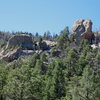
{"x":2,"y":44}
{"x":47,"y":35}
{"x":74,"y":74}
{"x":90,"y":85}
{"x":82,"y":62}
{"x":85,"y":47}
{"x":71,"y":62}
{"x":40,"y":67}
{"x":72,"y":38}
{"x":55,"y":88}
{"x":52,"y":53}
{"x":3,"y":77}
{"x":33,"y":60}
{"x":65,"y":32}
{"x":43,"y":57}
{"x":63,"y":40}
{"x":23,"y":84}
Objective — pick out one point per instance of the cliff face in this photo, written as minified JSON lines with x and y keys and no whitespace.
{"x":25,"y":41}
{"x":24,"y":45}
{"x":17,"y":46}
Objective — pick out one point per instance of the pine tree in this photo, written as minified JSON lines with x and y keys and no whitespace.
{"x":56,"y":83}
{"x":90,"y":87}
{"x":3,"y":77}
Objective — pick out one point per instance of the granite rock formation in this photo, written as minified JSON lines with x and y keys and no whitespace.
{"x":15,"y":54}
{"x":82,"y":29}
{"x":24,"y":41}
{"x":97,"y":37}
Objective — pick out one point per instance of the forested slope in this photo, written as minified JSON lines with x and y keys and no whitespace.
{"x":67,"y":70}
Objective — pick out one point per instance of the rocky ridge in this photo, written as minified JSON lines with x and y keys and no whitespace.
{"x":24,"y":44}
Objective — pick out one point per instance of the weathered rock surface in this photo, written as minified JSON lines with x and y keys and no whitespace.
{"x":15,"y":54}
{"x":78,"y":27}
{"x":21,"y":45}
{"x":96,"y":42}
{"x":42,"y":46}
{"x":50,"y":43}
{"x":82,"y":29}
{"x":24,"y":41}
{"x":97,"y":37}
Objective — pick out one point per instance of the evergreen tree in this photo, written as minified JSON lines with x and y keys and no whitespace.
{"x":90,"y":85}
{"x":43,"y":57}
{"x":55,"y":87}
{"x":63,"y":40}
{"x":3,"y":77}
{"x":39,"y":67}
{"x":23,"y":84}
{"x":33,"y":60}
{"x":71,"y":62}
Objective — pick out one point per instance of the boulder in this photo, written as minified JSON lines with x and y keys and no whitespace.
{"x":82,"y":29}
{"x":24,"y":41}
{"x":50,"y":43}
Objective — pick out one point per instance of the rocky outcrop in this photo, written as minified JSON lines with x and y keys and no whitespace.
{"x":43,"y":46}
{"x":15,"y":54}
{"x":96,"y":42}
{"x":22,"y":45}
{"x":24,"y":41}
{"x":17,"y":46}
{"x":82,"y":29}
{"x":78,"y":28}
{"x":50,"y":43}
{"x":97,"y":37}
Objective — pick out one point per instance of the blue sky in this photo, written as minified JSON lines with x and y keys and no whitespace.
{"x":43,"y":15}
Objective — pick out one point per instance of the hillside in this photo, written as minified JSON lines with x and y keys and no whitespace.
{"x":59,"y":67}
